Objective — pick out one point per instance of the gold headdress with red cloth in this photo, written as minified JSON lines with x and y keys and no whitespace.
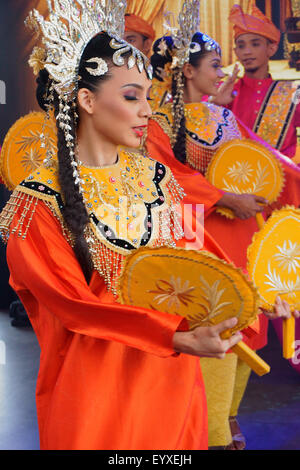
{"x":139,"y":25}
{"x":256,"y":23}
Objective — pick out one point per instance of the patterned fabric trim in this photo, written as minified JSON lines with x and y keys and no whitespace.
{"x":276,"y":113}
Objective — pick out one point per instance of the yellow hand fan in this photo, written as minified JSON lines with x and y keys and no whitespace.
{"x":274,"y":266}
{"x":196,"y":285}
{"x":245,"y":166}
{"x":22,"y":153}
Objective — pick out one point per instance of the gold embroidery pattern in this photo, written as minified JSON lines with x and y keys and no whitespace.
{"x":282,"y":287}
{"x":194,"y":284}
{"x":275,"y":115}
{"x":208,"y":127}
{"x":243,"y":173}
{"x":289,"y":256}
{"x":31,"y":160}
{"x":174,"y":291}
{"x":278,"y":243}
{"x":132,"y":203}
{"x":288,"y":259}
{"x":211,"y":299}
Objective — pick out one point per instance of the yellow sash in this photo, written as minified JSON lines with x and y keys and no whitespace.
{"x":276,"y":113}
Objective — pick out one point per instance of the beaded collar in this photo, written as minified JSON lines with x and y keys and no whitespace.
{"x":123,"y":200}
{"x":206,"y":124}
{"x":130,"y":204}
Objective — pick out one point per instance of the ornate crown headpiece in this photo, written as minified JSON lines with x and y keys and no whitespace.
{"x":209,"y":45}
{"x":71,"y":25}
{"x":188,"y":24}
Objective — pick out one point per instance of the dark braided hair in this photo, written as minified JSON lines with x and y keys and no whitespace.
{"x":179,"y":146}
{"x":74,"y":211}
{"x":159,"y":60}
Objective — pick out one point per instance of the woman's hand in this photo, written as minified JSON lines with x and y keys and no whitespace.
{"x":206,"y":341}
{"x":225,"y":93}
{"x":281,"y":310}
{"x":243,"y":206}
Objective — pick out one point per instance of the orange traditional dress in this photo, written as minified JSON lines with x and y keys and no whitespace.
{"x":109,"y":377}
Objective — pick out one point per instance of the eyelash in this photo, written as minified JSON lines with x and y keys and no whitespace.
{"x":130,"y":98}
{"x":133,"y":98}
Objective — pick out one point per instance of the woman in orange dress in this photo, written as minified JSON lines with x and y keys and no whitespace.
{"x":185,"y":133}
{"x":111,"y":376}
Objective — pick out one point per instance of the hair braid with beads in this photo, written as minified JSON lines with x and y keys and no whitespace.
{"x":179,"y":121}
{"x":163,"y":53}
{"x":74,"y":212}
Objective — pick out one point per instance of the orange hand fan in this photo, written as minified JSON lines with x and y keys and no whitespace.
{"x":195,"y":284}
{"x":22,"y":153}
{"x":274,"y":266}
{"x":245,"y":166}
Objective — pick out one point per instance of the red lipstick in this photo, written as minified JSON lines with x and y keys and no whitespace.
{"x":139,"y":130}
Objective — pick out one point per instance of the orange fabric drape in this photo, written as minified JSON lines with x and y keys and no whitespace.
{"x":108,"y":376}
{"x":148,"y":9}
{"x":214,"y":22}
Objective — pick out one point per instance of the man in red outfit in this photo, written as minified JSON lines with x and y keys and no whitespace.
{"x":270,"y":108}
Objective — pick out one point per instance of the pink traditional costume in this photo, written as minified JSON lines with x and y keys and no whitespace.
{"x":269,"y":107}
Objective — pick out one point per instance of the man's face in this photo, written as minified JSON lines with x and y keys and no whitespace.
{"x":139,"y":41}
{"x":254,"y":51}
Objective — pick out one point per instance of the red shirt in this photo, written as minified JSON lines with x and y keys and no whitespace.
{"x":250,"y":95}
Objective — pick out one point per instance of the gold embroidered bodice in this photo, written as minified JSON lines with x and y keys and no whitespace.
{"x":130,"y":204}
{"x":207,"y":127}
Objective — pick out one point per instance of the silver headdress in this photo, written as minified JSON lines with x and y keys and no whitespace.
{"x":188,"y":24}
{"x":209,"y":45}
{"x":182,"y":34}
{"x":71,"y":25}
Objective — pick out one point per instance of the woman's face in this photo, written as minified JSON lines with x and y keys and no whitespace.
{"x":119,"y":110}
{"x":206,"y":77}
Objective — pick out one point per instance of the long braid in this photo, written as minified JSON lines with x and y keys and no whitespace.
{"x":164,"y":54}
{"x":179,"y":126}
{"x":158,"y":61}
{"x":74,"y":212}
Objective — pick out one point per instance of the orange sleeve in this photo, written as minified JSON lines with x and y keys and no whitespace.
{"x":45,"y":271}
{"x":198,"y":190}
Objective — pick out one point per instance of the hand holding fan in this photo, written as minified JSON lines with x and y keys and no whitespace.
{"x":246,"y":167}
{"x":194,"y":284}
